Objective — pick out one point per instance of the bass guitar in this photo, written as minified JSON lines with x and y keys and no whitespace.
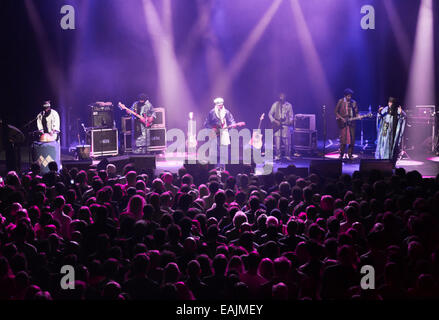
{"x":347,"y":121}
{"x":146,"y":121}
{"x":256,"y":140}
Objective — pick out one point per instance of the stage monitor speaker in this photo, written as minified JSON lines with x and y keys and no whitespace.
{"x":120,"y":162}
{"x":160,"y":119}
{"x":384,"y":166}
{"x":305,"y":122}
{"x":326,"y":168}
{"x":157,"y":139}
{"x":104,"y":142}
{"x":79,"y":164}
{"x":200,"y":172}
{"x":302,"y":172}
{"x":143,"y":162}
{"x":102,"y":165}
{"x":234,"y":169}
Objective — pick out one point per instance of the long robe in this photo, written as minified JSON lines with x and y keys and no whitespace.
{"x":390,"y":132}
{"x":345,"y":109}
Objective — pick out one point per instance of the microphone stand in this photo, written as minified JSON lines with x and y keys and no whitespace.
{"x":29,"y":136}
{"x":29,"y":123}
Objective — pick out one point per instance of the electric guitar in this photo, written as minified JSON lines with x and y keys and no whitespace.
{"x":279,"y":126}
{"x":217,"y":129}
{"x":256,"y":140}
{"x":146,"y":121}
{"x":347,"y":121}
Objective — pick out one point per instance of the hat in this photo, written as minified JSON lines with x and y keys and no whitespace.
{"x":218,"y":101}
{"x":348,"y":92}
{"x":46,"y":104}
{"x":143,"y":97}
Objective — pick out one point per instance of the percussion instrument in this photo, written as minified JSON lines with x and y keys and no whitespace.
{"x":46,"y":137}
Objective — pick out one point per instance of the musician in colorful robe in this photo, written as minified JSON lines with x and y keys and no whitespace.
{"x":219,"y":117}
{"x":281,"y":117}
{"x":140,"y":135}
{"x":48,"y":121}
{"x":346,"y":108}
{"x":391,"y":122}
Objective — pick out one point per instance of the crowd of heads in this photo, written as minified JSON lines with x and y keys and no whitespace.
{"x":131,"y":235}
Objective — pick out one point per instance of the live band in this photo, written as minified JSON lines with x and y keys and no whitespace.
{"x":391,"y":122}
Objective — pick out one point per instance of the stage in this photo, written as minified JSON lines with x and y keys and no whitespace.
{"x":427,"y":164}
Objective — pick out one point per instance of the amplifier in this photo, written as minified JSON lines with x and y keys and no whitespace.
{"x":305,"y":122}
{"x":126,"y":124}
{"x":102,"y":107}
{"x":305,"y":139}
{"x":160,"y":120}
{"x":156,"y":139}
{"x":104,"y":142}
{"x":127,"y":142}
{"x":102,"y":116}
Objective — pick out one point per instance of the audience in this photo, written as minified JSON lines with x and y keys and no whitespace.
{"x":133,"y":236}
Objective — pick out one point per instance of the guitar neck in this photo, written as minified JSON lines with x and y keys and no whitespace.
{"x":131,"y":112}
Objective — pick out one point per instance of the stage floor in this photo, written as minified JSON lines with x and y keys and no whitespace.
{"x":426,"y":164}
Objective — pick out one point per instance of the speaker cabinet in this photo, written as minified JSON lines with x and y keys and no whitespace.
{"x":326,"y":168}
{"x":102,"y":116}
{"x":126,"y":124}
{"x":78,"y":164}
{"x":200,"y":172}
{"x":156,"y":139}
{"x":302,"y":172}
{"x":305,"y":140}
{"x":384,"y":166}
{"x":160,"y":120}
{"x":234,"y":169}
{"x":127,"y":142}
{"x":305,"y":122}
{"x":104,"y":142}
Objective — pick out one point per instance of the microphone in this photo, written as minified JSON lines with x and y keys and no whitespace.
{"x":83,"y":127}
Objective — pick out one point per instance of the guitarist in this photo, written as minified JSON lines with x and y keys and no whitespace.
{"x":346,"y":108}
{"x":281,"y":118}
{"x":144,"y":108}
{"x":217,"y":119}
